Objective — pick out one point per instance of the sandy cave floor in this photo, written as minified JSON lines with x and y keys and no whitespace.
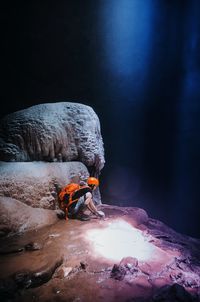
{"x":126,"y":257}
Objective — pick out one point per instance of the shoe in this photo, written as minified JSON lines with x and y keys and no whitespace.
{"x":82,"y":217}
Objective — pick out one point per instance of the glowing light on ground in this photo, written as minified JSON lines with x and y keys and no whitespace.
{"x":119,"y":239}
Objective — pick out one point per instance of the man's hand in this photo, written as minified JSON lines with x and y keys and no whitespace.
{"x":101,"y":214}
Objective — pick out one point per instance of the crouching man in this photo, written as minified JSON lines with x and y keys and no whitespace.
{"x":76,"y":199}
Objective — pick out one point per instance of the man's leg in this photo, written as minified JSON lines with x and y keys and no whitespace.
{"x":91,"y":206}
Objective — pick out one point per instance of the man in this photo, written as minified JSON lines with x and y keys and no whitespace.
{"x":80,"y":199}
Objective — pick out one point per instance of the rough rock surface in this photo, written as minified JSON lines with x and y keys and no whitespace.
{"x":67,"y":266}
{"x":56,"y":132}
{"x":18,"y":217}
{"x":37,"y":183}
{"x":53,"y":132}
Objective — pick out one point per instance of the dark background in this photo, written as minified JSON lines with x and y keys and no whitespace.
{"x":137,"y":63}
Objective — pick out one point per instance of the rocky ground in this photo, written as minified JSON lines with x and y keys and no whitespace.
{"x":125,"y":257}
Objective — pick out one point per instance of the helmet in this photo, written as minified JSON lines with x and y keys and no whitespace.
{"x":92,"y":181}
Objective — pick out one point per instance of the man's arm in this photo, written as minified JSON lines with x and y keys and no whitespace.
{"x":90,"y":205}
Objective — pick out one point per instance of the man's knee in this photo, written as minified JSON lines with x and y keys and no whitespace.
{"x":87,"y":201}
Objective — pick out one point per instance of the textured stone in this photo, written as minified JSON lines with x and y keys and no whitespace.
{"x":37,"y":183}
{"x":59,"y":133}
{"x":173,"y":293}
{"x":53,"y":132}
{"x":17,"y":217}
{"x":118,"y":272}
{"x":129,"y":262}
{"x":87,"y":274}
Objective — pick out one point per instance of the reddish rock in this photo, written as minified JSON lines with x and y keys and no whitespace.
{"x":85,"y":275}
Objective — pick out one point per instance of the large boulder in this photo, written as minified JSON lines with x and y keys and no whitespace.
{"x":37,"y":184}
{"x":17,"y":217}
{"x":42,"y":149}
{"x":53,"y":132}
